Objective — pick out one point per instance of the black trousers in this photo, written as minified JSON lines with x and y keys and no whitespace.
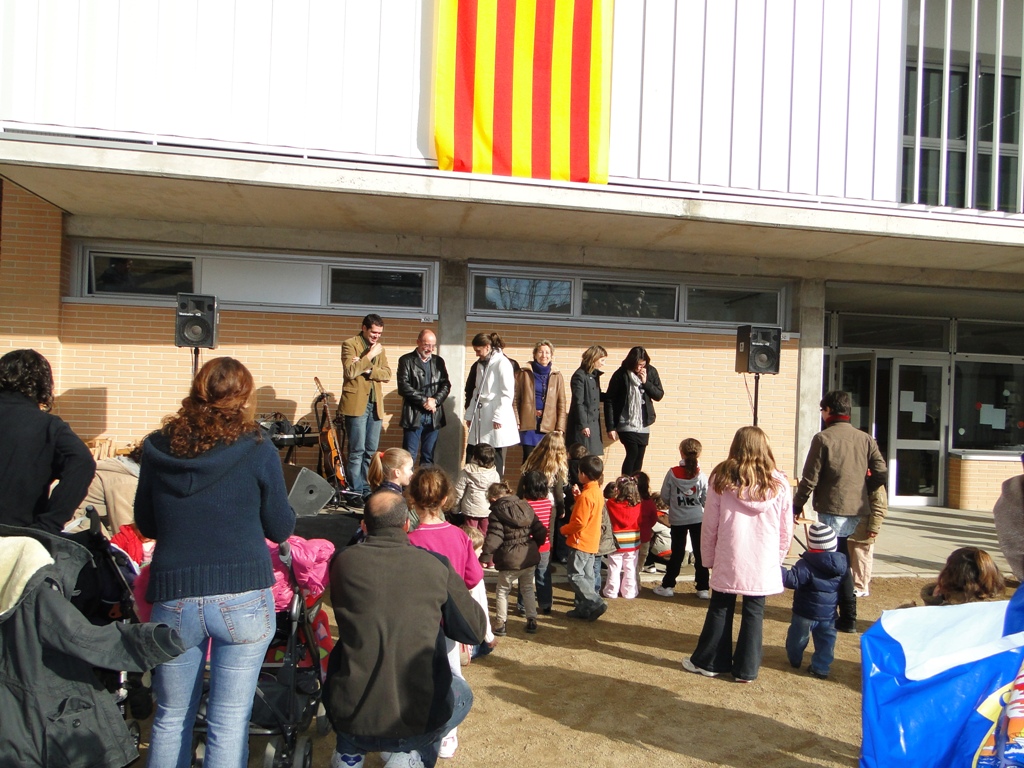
{"x":847,"y":599}
{"x":635,"y":444}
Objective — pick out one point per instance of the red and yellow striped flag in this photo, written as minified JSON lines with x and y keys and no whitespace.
{"x":522,"y":88}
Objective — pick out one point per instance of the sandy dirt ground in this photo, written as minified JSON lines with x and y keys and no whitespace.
{"x":612,"y":693}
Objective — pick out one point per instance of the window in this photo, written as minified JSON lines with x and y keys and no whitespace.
{"x":522,"y":294}
{"x":732,"y":305}
{"x":874,"y":332}
{"x":146,"y":275}
{"x":151,"y":275}
{"x":988,"y":406}
{"x":376,"y":287}
{"x":982,"y":121}
{"x":618,"y":300}
{"x":973,"y":337}
{"x":606,"y":298}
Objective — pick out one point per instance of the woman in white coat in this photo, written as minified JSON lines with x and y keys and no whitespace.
{"x":490,"y":415}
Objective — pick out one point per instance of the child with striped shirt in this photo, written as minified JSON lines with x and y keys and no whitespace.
{"x":624,"y":513}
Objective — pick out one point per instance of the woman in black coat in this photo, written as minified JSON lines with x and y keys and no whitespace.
{"x":629,"y":406}
{"x":37,"y":448}
{"x":584,"y":424}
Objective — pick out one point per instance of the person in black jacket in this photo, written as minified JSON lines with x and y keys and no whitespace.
{"x":424,"y":385}
{"x":815,"y":577}
{"x":389,"y":684}
{"x":629,"y":406}
{"x":37,"y":448}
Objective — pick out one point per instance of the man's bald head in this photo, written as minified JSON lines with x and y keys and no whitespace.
{"x":385,"y":509}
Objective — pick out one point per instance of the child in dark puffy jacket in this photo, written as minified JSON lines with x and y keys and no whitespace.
{"x":514,"y":536}
{"x":815,"y":577}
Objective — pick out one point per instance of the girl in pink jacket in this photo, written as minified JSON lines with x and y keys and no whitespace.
{"x":747,"y":530}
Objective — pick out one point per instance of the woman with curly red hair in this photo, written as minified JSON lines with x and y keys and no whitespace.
{"x":210,"y":491}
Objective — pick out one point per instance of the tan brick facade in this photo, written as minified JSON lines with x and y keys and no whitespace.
{"x":974,"y":484}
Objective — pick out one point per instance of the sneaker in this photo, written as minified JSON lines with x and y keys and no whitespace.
{"x":689,"y":666}
{"x":664,"y":591}
{"x":703,"y":594}
{"x":742,"y":680}
{"x":650,"y":569}
{"x":405,"y":760}
{"x":499,"y":630}
{"x":521,"y":609}
{"x":847,"y":626}
{"x":861,"y":592}
{"x":598,"y":612}
{"x":817,"y":674}
{"x":347,"y":760}
{"x":576,"y":613}
{"x":531,"y":626}
{"x":449,"y":744}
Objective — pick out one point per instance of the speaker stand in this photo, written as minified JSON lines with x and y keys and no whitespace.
{"x":757,"y":392}
{"x":195,"y":366}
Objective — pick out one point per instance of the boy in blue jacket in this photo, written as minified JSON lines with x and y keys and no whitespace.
{"x":816,"y":577}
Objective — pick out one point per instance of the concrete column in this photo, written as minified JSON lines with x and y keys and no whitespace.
{"x":811,"y":319}
{"x":451,"y":345}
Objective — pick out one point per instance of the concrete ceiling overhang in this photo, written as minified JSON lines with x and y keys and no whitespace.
{"x":106,"y":179}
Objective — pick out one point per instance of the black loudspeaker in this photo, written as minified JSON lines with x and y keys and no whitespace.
{"x":757,"y":349}
{"x":195,"y":321}
{"x":308,"y":493}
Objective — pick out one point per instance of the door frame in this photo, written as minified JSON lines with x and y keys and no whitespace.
{"x":941,"y":444}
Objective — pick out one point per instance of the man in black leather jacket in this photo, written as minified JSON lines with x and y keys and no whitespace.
{"x":424,"y":385}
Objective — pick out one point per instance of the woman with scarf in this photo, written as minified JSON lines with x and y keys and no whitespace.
{"x":629,"y":406}
{"x":490,"y":415}
{"x":539,"y":398}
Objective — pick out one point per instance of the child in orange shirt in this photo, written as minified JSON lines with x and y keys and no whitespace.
{"x":583,"y":536}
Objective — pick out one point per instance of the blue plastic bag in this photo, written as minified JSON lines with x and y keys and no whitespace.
{"x":934,"y":679}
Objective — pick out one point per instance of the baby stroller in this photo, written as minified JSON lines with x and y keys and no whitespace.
{"x":103,"y":594}
{"x":289,"y":688}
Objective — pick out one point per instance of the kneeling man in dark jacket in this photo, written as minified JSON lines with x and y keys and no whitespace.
{"x":389,"y":685}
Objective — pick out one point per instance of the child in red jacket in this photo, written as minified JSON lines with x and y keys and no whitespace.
{"x":624,"y":513}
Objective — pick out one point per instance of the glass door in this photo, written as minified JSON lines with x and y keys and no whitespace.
{"x":917,"y":432}
{"x":856,"y":374}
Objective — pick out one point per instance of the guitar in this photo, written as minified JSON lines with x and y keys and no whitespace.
{"x":330,"y":464}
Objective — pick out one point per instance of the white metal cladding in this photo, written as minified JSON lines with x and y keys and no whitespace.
{"x":788,"y":96}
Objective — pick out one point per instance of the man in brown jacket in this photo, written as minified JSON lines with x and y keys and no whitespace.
{"x":362,"y":400}
{"x":835,"y":472}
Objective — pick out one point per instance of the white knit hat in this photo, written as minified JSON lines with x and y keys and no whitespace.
{"x":821,"y":536}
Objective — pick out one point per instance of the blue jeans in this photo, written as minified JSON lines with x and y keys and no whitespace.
{"x":428,"y":745}
{"x":580,"y":570}
{"x":363,"y":437}
{"x":421,"y":440}
{"x":240,"y":627}
{"x":714,"y":647}
{"x":824,"y":633}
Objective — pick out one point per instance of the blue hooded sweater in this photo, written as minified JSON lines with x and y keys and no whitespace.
{"x":816,"y":577}
{"x":210,"y":516}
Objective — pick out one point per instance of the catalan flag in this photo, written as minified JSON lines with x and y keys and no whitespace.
{"x":522,"y":88}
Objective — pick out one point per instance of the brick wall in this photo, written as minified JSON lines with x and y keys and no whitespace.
{"x":30,"y":274}
{"x":975,"y":484}
{"x":123,"y":373}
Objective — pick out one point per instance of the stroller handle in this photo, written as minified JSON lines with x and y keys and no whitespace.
{"x":284,"y":551}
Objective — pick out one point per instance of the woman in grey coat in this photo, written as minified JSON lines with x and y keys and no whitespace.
{"x":584,"y":424}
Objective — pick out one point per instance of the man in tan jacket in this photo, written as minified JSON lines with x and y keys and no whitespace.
{"x":362,"y":400}
{"x":835,"y":472}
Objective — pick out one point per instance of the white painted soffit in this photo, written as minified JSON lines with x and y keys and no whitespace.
{"x":244,"y":190}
